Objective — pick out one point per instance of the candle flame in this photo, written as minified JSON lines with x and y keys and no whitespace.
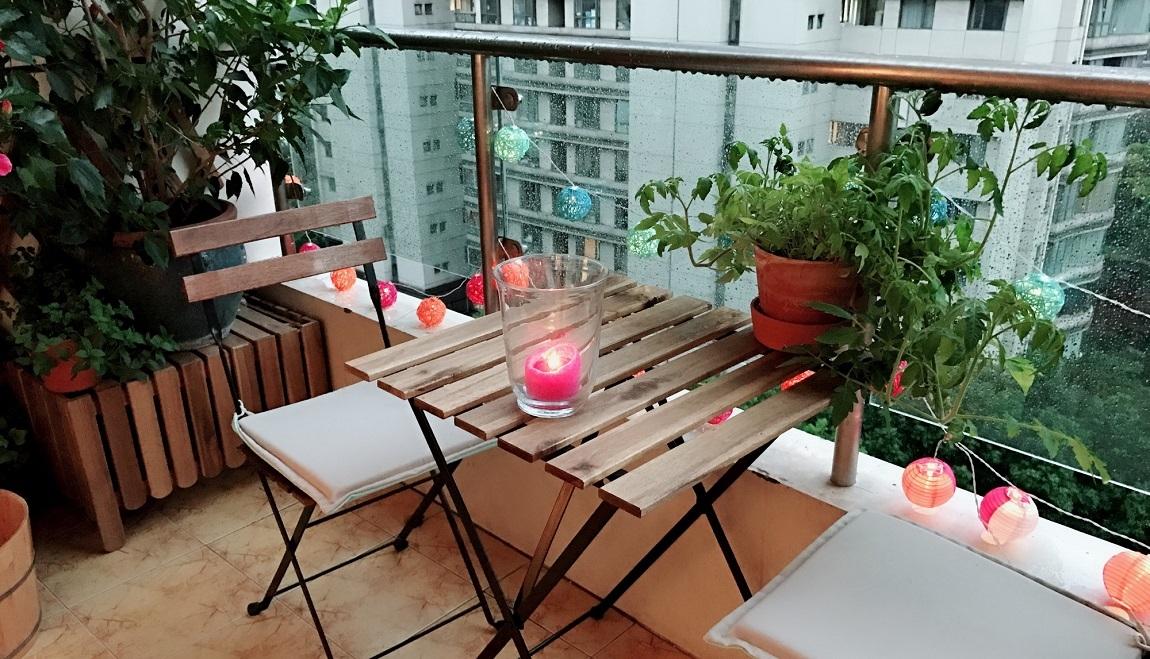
{"x":554,"y":359}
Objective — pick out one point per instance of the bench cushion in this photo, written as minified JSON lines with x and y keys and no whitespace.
{"x":350,"y":443}
{"x":876,"y":586}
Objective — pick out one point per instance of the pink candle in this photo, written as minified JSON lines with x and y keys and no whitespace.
{"x":552,"y":374}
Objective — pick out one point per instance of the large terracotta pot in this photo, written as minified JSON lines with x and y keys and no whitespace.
{"x":781,"y":314}
{"x":156,"y":295}
{"x":19,"y":599}
{"x":63,"y":378}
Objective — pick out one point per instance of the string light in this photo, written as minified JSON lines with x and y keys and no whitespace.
{"x":343,"y":279}
{"x":511,"y":143}
{"x":1008,"y":513}
{"x":641,"y":243}
{"x":309,"y":246}
{"x":573,"y":203}
{"x":939,"y":208}
{"x":388,"y":294}
{"x":475,"y":292}
{"x":465,"y":133}
{"x":1127,"y":580}
{"x":928,"y":483}
{"x":430,"y":311}
{"x":1042,"y":293}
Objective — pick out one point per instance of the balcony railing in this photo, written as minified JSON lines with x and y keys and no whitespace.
{"x":1094,"y":86}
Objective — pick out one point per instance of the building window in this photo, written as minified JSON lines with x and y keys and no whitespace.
{"x":474,"y":256}
{"x":623,"y":15}
{"x":558,"y":110}
{"x":975,"y":146}
{"x":434,"y":228}
{"x":622,"y":75}
{"x":810,"y":21}
{"x":529,"y":197}
{"x":844,"y":133}
{"x":419,"y":9}
{"x":735,"y":20}
{"x":423,"y":100}
{"x":561,"y":242}
{"x":806,"y":147}
{"x":587,"y":14}
{"x":586,"y":161}
{"x":427,"y":146}
{"x":587,"y":71}
{"x":326,"y":146}
{"x":427,"y":9}
{"x":489,"y":11}
{"x":559,"y":155}
{"x":587,"y":112}
{"x":531,"y":158}
{"x":523,"y":12}
{"x":621,"y":214}
{"x":621,"y":170}
{"x":557,"y":69}
{"x":819,"y":21}
{"x":916,"y":14}
{"x":529,"y":106}
{"x":439,"y":187}
{"x":462,"y":175}
{"x":434,"y":145}
{"x":433,"y":100}
{"x":987,"y":14}
{"x":527,"y":66}
{"x":862,"y":12}
{"x":620,"y":259}
{"x":809,"y":87}
{"x":330,"y":181}
{"x":532,"y":239}
{"x":622,"y":116}
{"x":430,"y":188}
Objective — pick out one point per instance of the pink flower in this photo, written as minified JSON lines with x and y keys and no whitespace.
{"x":5,"y":107}
{"x":2,"y":45}
{"x":721,"y":417}
{"x":5,"y":165}
{"x":896,"y":383}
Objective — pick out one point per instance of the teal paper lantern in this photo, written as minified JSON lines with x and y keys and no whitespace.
{"x":642,"y":243}
{"x":572,"y":203}
{"x":939,"y":208}
{"x":511,"y":143}
{"x":465,"y":133}
{"x":725,"y":242}
{"x":1043,"y":294}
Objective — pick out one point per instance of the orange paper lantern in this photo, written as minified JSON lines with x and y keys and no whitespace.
{"x":343,"y":279}
{"x":1127,"y":579}
{"x":430,"y":312}
{"x":795,"y":379}
{"x":515,"y":273}
{"x":928,"y":483}
{"x":1008,"y":514}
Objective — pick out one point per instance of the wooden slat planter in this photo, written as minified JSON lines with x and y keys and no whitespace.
{"x":121,"y":445}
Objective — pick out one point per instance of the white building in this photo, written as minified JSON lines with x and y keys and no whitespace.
{"x":608,"y":130}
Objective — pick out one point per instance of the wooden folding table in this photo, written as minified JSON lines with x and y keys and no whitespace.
{"x":667,"y":366}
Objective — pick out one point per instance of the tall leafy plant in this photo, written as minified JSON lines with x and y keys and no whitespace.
{"x":922,"y":333}
{"x":155,"y":107}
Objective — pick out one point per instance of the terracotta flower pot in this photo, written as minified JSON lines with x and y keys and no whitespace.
{"x":19,"y":599}
{"x":781,"y":315}
{"x":63,"y":378}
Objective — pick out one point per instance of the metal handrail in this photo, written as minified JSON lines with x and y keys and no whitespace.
{"x":1078,"y":83}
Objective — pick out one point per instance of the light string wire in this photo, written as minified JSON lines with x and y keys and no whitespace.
{"x":971,"y":455}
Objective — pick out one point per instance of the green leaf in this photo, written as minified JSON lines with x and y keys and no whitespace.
{"x":25,"y":47}
{"x":86,"y":177}
{"x":8,"y":15}
{"x":102,"y":97}
{"x":303,"y":12}
{"x":840,"y":336}
{"x":831,"y":309}
{"x":1023,"y":372}
{"x":46,"y":124}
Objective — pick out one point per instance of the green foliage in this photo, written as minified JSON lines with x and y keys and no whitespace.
{"x":917,"y":323}
{"x":153,"y":108}
{"x":55,"y":305}
{"x":13,"y":445}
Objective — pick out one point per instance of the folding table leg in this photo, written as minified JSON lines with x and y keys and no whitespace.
{"x":543,"y":547}
{"x":468,"y":564}
{"x":510,"y":623}
{"x":724,"y":543}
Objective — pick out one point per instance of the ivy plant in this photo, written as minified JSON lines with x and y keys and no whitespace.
{"x":153,"y":109}
{"x":922,"y":333}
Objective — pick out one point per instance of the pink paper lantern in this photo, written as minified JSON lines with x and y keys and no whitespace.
{"x":1127,"y":579}
{"x":309,"y":246}
{"x":430,"y":312}
{"x":475,"y":292}
{"x":343,"y":279}
{"x":1008,"y":514}
{"x":388,"y":294}
{"x":720,"y":417}
{"x":795,"y":379}
{"x":928,"y":483}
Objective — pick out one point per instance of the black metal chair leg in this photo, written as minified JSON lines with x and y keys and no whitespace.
{"x":292,"y":543}
{"x":290,"y":546}
{"x":415,"y":520}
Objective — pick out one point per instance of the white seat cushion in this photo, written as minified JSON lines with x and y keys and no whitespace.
{"x":876,"y":586}
{"x":350,"y":443}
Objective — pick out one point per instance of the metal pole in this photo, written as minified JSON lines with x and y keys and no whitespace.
{"x":485,"y":177}
{"x":844,"y":467}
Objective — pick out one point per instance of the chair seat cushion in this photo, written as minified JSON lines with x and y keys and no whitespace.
{"x":350,"y":443}
{"x":876,"y":586}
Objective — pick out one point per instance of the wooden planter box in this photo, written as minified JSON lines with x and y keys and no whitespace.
{"x":122,"y":444}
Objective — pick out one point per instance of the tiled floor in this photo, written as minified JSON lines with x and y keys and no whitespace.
{"x":192,"y":562}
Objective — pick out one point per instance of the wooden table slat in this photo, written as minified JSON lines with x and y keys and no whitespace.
{"x":397,"y":358}
{"x":503,"y":414}
{"x":607,"y":408}
{"x":638,"y":491}
{"x":617,"y":448}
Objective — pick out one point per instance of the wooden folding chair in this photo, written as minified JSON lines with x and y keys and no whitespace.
{"x":343,"y":450}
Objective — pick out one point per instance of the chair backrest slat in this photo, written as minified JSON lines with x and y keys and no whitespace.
{"x":211,"y":235}
{"x":214,"y":283}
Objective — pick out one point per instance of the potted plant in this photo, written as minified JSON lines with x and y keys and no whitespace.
{"x":71,"y":334}
{"x":153,"y":112}
{"x":914,"y":327}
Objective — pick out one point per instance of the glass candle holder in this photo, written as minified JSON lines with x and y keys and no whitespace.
{"x":552,"y":310}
